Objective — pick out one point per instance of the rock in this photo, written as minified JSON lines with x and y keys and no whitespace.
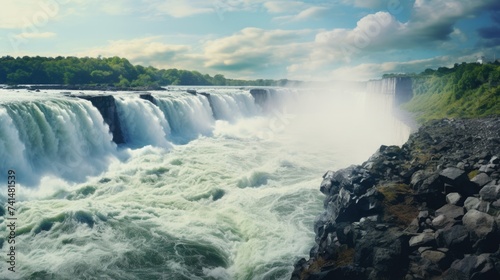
{"x":479,"y":224}
{"x":483,"y":206}
{"x":345,"y":234}
{"x":423,"y":215}
{"x":495,"y":160}
{"x":476,"y":267}
{"x":451,"y":211}
{"x":453,"y":176}
{"x":471,"y":203}
{"x":423,"y":239}
{"x":384,"y":236}
{"x":384,"y":251}
{"x":327,"y":183}
{"x":148,"y":97}
{"x":461,"y":165}
{"x":453,"y":274}
{"x":436,"y":257}
{"x":481,"y":179}
{"x":429,"y":189}
{"x":455,"y":238}
{"x":490,"y":193}
{"x":343,"y":272}
{"x":484,"y":235}
{"x":488,"y":168}
{"x":107,"y":107}
{"x":453,"y":198}
{"x":423,"y":249}
{"x":442,"y":221}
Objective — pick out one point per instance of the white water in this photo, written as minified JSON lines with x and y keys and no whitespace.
{"x":142,"y":123}
{"x":236,"y":202}
{"x":189,"y":116}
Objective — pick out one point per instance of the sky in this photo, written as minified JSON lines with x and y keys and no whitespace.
{"x":251,"y":39}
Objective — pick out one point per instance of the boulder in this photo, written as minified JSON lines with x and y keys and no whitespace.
{"x":451,"y":211}
{"x":455,"y":238}
{"x":488,"y":168}
{"x":483,"y":231}
{"x":343,"y":272}
{"x":423,"y":239}
{"x":476,"y":267}
{"x":436,"y":257}
{"x":495,"y":160}
{"x":471,"y":203}
{"x":428,"y":189}
{"x":479,"y":224}
{"x":453,"y":198}
{"x":481,"y":179}
{"x":490,"y":193}
{"x":453,"y":176}
{"x":442,"y":221}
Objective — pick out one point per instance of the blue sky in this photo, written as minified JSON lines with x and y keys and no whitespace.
{"x":305,"y":40}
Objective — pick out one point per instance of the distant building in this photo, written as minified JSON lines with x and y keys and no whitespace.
{"x":480,"y":60}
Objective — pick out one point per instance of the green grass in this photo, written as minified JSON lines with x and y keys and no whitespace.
{"x":475,"y":103}
{"x":468,"y":90}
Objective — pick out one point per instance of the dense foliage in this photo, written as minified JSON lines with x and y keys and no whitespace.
{"x":106,"y":71}
{"x":466,"y":90}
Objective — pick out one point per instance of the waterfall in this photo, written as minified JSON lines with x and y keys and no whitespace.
{"x":64,"y":138}
{"x":233,"y":105}
{"x":188,"y":116}
{"x":142,"y":122}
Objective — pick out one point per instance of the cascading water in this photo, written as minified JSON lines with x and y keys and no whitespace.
{"x":65,"y":138}
{"x":231,"y":105}
{"x":142,"y":123}
{"x":236,"y":203}
{"x":188,"y":116}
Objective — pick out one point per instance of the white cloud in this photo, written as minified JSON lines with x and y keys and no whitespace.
{"x":432,"y":25}
{"x":35,"y":35}
{"x":310,"y":13}
{"x":279,"y":7}
{"x":179,"y":8}
{"x":34,"y":14}
{"x":148,"y":51}
{"x":254,"y":48}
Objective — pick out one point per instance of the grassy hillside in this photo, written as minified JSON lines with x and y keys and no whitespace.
{"x":467,"y":90}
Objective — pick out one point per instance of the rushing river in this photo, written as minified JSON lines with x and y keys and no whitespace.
{"x":204,"y":187}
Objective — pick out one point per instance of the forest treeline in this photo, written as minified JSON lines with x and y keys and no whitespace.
{"x":464,"y":90}
{"x":113,"y":71}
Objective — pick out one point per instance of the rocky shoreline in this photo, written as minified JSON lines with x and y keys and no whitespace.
{"x":427,"y":210}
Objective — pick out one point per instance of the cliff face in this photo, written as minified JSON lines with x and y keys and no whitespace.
{"x":107,"y":107}
{"x":430,"y":209}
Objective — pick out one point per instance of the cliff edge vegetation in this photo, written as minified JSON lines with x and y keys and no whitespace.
{"x":467,"y":90}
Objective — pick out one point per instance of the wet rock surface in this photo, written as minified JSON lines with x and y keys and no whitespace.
{"x":427,"y":210}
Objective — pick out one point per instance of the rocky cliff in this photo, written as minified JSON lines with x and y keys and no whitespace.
{"x":427,"y":210}
{"x":107,"y":107}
